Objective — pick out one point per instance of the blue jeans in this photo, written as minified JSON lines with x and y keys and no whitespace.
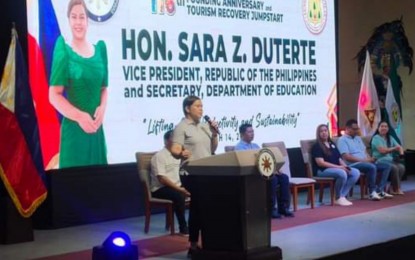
{"x":344,"y":182}
{"x":370,"y":169}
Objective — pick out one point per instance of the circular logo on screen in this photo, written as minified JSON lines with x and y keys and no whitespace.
{"x":315,"y":15}
{"x":266,"y":162}
{"x":101,"y":10}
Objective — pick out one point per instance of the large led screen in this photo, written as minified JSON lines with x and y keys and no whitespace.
{"x":271,"y":63}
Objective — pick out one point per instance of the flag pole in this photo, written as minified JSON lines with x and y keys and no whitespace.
{"x":14,"y":31}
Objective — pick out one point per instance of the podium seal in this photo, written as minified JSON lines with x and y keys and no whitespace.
{"x":266,"y":163}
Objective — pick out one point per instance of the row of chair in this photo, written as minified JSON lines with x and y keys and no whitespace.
{"x":306,"y":146}
{"x":296,"y":183}
{"x":308,"y":182}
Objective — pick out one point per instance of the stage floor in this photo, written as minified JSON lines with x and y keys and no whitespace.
{"x":312,"y":234}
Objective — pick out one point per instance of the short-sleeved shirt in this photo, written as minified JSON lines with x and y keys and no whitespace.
{"x":81,"y":77}
{"x":353,"y":146}
{"x":317,"y":152}
{"x":164,"y":164}
{"x":195,"y":137}
{"x":242,"y":145}
{"x":379,"y":141}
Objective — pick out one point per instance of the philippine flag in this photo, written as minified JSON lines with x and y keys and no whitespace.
{"x":43,"y":30}
{"x":21,"y":168}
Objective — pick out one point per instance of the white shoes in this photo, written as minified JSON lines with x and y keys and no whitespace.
{"x":374,"y":196}
{"x":385,"y":195}
{"x":342,"y":201}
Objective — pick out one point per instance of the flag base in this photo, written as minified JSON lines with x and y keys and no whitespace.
{"x":13,"y":227}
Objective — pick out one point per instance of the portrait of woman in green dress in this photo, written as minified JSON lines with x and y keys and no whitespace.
{"x":78,"y":91}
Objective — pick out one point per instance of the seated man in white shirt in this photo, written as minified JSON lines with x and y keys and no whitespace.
{"x":165,"y":181}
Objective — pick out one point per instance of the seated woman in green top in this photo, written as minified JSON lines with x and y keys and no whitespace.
{"x":78,"y":90}
{"x":384,"y":148}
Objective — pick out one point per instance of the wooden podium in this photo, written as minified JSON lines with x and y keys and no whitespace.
{"x":234,"y":205}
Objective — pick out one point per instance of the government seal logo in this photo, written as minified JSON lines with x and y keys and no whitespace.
{"x":394,"y":115}
{"x":266,"y":163}
{"x":315,"y":15}
{"x":101,"y":10}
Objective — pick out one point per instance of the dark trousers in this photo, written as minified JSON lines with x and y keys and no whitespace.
{"x":178,"y":203}
{"x":283,"y":197}
{"x":191,"y":184}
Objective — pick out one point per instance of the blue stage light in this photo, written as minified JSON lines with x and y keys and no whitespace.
{"x":117,"y":238}
{"x":117,"y":246}
{"x":119,"y":241}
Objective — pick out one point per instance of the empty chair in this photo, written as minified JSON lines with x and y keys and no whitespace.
{"x":306,"y":146}
{"x":296,"y":183}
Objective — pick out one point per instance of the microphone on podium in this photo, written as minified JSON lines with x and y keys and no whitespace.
{"x":207,"y":118}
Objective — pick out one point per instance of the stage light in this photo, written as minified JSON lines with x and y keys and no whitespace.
{"x":117,"y":246}
{"x":119,"y":242}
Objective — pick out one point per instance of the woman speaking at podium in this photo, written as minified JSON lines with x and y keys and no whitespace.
{"x":193,"y":139}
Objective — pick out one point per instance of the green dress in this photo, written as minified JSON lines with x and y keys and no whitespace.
{"x":83,"y":79}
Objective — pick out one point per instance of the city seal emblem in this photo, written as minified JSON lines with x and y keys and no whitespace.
{"x":315,"y":15}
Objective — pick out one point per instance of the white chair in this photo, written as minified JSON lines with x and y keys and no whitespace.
{"x":296,"y":183}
